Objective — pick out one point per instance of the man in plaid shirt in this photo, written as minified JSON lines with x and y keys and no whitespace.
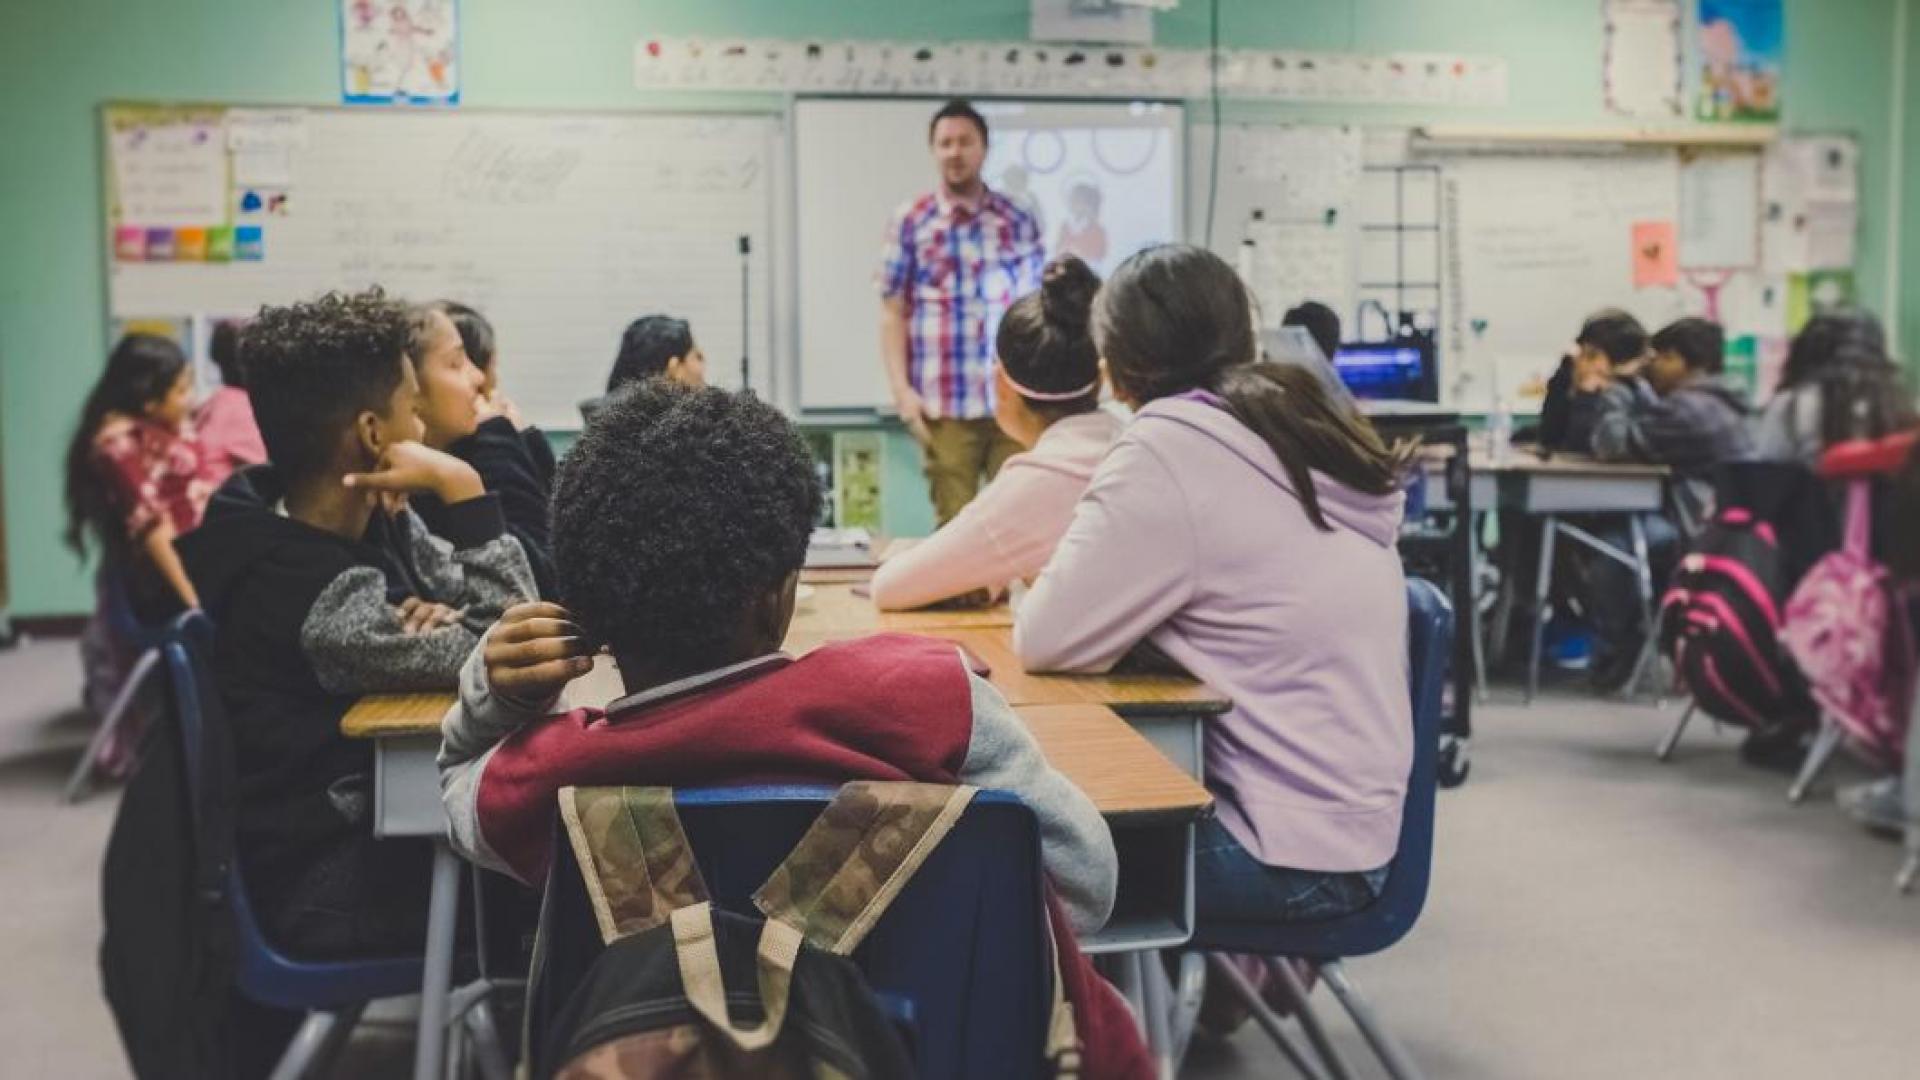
{"x":955,"y":260}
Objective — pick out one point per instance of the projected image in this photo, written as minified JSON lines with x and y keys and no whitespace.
{"x":1099,"y":191}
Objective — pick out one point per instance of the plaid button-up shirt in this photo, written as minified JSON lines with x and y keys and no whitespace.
{"x":959,"y":268}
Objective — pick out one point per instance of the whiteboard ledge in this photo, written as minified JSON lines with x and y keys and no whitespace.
{"x":1443,"y":136}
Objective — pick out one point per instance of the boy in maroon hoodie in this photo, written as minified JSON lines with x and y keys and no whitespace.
{"x":680,"y":524}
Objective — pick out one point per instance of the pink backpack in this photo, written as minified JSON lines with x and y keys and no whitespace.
{"x":1852,"y":640}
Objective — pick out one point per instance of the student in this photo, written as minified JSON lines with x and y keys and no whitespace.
{"x":478,"y":338}
{"x":454,"y":409}
{"x":133,"y":483}
{"x":1047,"y":399}
{"x":1674,"y":409}
{"x":653,"y":346}
{"x":321,"y":594}
{"x":681,"y":522}
{"x":1244,"y":526}
{"x":1320,"y":323}
{"x":229,"y":439}
{"x":1837,"y":384}
{"x":1608,"y":339}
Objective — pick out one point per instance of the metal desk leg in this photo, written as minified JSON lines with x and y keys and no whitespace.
{"x":442,"y":918}
{"x":1157,"y":996}
{"x":1910,"y":793}
{"x":1643,"y":580}
{"x":1475,"y":559}
{"x":1543,"y":588}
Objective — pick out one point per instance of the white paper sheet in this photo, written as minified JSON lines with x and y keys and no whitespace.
{"x":1642,"y":69}
{"x":171,"y":175}
{"x":1064,"y":20}
{"x":1720,"y":210}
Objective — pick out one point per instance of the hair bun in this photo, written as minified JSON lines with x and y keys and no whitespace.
{"x":1067,"y":286}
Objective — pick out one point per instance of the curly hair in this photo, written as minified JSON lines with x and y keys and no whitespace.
{"x":675,"y":511}
{"x":312,"y":367}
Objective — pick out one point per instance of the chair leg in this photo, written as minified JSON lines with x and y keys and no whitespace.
{"x":1398,"y":1065}
{"x":1643,"y":583}
{"x":1543,"y":589}
{"x":316,"y":1044}
{"x":80,"y":784}
{"x":1821,"y":752}
{"x":488,"y":1053}
{"x":1268,"y":1020}
{"x":1189,"y":990}
{"x":1672,"y":740}
{"x":1309,"y":1020}
{"x":1909,"y":873}
{"x":1157,"y":998}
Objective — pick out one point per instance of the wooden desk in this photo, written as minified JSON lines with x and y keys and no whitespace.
{"x":836,"y":609}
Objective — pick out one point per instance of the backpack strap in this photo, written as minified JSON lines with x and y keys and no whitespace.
{"x":1063,"y":1035}
{"x":633,"y":855}
{"x":857,"y":856}
{"x":706,"y":990}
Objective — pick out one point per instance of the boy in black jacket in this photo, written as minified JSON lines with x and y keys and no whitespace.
{"x":325,"y":587}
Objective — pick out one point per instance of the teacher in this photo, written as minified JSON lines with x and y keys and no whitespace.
{"x":956,"y":259}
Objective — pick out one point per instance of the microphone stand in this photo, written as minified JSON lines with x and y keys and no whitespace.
{"x":746,"y":248}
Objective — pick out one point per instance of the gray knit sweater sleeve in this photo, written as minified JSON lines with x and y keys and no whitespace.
{"x":1075,"y":844}
{"x":356,"y":642}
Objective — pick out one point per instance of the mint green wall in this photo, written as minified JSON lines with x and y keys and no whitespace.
{"x":58,"y":62}
{"x":1909,"y":298}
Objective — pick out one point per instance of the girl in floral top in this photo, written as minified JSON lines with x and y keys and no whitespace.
{"x":133,"y":484}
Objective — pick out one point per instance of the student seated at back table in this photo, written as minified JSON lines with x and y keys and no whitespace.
{"x":229,"y":439}
{"x":1048,"y":400}
{"x":1673,"y":409}
{"x":460,"y":419}
{"x":1245,"y":527}
{"x":652,"y":347}
{"x":1609,"y":338}
{"x":1837,"y":384}
{"x":681,"y":521}
{"x":320,"y":595}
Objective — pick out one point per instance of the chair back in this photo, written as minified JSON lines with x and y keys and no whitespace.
{"x":1389,"y":918}
{"x":262,"y":972}
{"x":960,"y":957}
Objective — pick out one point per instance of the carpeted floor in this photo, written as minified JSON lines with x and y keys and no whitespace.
{"x":1594,"y":913}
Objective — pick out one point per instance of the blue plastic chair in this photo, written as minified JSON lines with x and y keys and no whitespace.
{"x":1389,"y":918}
{"x":960,"y":957}
{"x":117,"y":605}
{"x":333,"y":992}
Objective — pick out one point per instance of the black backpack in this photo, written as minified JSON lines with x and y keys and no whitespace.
{"x":1720,"y":617}
{"x":674,"y":986}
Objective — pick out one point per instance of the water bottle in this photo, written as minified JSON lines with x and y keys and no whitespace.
{"x":1500,"y":432}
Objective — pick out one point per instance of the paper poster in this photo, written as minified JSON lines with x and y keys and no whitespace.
{"x":1740,"y":60}
{"x":1067,"y":20}
{"x":1641,"y":72}
{"x":1810,"y":213}
{"x":1289,"y":262}
{"x":1720,"y":210}
{"x":169,"y":171}
{"x":1656,"y":262}
{"x":400,"y":52}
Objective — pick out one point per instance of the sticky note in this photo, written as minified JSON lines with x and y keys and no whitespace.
{"x":159,"y":245}
{"x":190,"y":245}
{"x":130,"y":243}
{"x":1656,"y":255}
{"x":249,"y":243}
{"x":220,"y":243}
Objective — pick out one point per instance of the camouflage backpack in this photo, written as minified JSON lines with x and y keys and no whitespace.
{"x":682,"y":988}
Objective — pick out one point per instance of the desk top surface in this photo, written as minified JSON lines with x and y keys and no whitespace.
{"x":1524,"y":461}
{"x":834,"y":607}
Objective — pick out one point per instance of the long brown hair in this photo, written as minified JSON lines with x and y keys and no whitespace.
{"x":1176,"y":318}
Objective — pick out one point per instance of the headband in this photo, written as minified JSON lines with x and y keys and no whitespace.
{"x":1037,"y":395}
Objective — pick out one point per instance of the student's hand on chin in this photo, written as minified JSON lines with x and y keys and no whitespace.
{"x":409,"y":467}
{"x":499,"y":404}
{"x":534,"y":651}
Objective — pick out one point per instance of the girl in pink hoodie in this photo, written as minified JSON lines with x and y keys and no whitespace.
{"x":1047,"y":398}
{"x":1244,"y":525}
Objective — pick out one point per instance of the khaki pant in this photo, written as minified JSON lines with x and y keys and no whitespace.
{"x":957,"y":453}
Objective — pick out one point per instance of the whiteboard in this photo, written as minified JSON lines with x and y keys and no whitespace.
{"x":857,"y":161}
{"x":560,"y":227}
{"x":1533,"y":246}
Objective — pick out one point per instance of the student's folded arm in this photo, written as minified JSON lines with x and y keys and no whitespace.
{"x":1075,"y":844}
{"x":1621,"y":413}
{"x":475,"y":724}
{"x":962,"y":556}
{"x":356,"y":643}
{"x":1124,"y":567}
{"x":476,"y":564}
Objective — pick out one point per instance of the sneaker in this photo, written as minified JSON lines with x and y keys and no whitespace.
{"x":1877,"y":805}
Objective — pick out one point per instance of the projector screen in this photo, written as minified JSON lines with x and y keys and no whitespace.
{"x":1103,"y":178}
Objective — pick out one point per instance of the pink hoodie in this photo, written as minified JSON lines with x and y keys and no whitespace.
{"x":1190,"y":535}
{"x":1010,"y":529}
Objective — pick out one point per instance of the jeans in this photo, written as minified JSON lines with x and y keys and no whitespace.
{"x":1231,"y":885}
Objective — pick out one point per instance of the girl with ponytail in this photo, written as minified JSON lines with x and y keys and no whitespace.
{"x":1244,"y":525}
{"x":1047,"y":399}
